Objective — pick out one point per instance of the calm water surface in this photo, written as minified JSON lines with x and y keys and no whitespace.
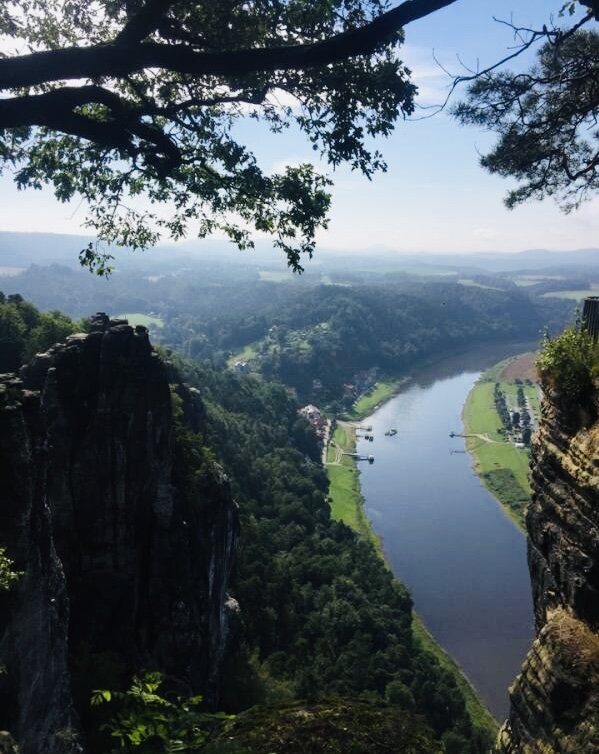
{"x":445,"y":536}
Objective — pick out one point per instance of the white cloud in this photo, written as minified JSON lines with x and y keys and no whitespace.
{"x":432,"y":81}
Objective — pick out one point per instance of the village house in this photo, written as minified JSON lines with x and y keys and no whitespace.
{"x":315,"y":417}
{"x":241,"y":367}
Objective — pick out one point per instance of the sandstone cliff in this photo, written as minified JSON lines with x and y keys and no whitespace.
{"x":555,"y":700}
{"x":123,"y":567}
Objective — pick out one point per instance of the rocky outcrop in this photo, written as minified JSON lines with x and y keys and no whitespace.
{"x":555,"y":700}
{"x":35,"y":690}
{"x":124,"y":566}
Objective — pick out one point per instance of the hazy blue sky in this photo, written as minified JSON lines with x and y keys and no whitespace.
{"x":435,"y":196}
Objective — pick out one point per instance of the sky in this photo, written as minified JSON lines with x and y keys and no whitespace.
{"x":435,"y":197}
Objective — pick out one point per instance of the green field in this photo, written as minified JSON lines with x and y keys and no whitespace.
{"x":530,"y":391}
{"x":526,"y":280}
{"x":381,"y":392}
{"x":503,"y":468}
{"x":136,"y":318}
{"x":473,"y":284}
{"x":346,"y":500}
{"x":274,"y":276}
{"x":573,"y":295}
{"x":246,"y":354}
{"x":347,"y":505}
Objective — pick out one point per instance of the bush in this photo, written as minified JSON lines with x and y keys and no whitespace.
{"x":569,"y":362}
{"x":399,"y":694}
{"x":146,"y":723}
{"x":8,"y":576}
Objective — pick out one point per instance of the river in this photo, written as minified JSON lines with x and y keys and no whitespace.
{"x":445,"y":537}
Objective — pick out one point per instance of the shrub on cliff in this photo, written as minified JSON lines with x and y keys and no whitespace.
{"x":8,"y":576}
{"x":569,"y":362}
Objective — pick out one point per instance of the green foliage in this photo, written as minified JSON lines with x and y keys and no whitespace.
{"x":24,"y":331}
{"x":503,"y":483}
{"x":172,"y":137}
{"x":8,"y":576}
{"x":454,"y":743}
{"x":545,"y":119}
{"x":398,"y":694}
{"x":569,"y":362}
{"x":145,"y":722}
{"x":332,"y":332}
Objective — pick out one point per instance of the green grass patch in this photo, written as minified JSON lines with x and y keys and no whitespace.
{"x":526,"y":280}
{"x":247,"y":353}
{"x":573,"y":295}
{"x":504,"y":485}
{"x":344,"y":491}
{"x":503,"y":468}
{"x":346,"y":501}
{"x":480,"y":415}
{"x":468,"y":283}
{"x":533,"y":395}
{"x":274,"y":276}
{"x":137,"y":318}
{"x":381,"y":392}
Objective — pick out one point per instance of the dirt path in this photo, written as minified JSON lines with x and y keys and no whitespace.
{"x":485,"y":438}
{"x":350,"y":429}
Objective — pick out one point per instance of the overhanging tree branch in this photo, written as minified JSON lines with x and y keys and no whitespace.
{"x":119,"y":130}
{"x":120,"y":59}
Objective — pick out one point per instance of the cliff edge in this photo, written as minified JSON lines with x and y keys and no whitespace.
{"x":555,"y":699}
{"x":123,"y":567}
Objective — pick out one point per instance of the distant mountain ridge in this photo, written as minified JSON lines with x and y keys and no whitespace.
{"x":21,"y":249}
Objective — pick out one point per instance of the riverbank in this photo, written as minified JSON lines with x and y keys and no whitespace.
{"x":383,"y":391}
{"x":479,"y":714}
{"x":347,"y":505}
{"x":345,"y":496}
{"x":502,"y":467}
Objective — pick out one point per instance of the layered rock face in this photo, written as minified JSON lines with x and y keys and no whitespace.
{"x":555,"y":700}
{"x":122,"y":566}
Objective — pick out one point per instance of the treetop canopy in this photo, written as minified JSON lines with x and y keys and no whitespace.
{"x":132,"y":106}
{"x":116,"y":99}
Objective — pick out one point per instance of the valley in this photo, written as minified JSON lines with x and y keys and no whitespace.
{"x":299,"y":421}
{"x":324,"y":612}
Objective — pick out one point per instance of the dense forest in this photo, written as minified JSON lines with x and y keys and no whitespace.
{"x":321,"y":615}
{"x":304,"y":330}
{"x":330,"y":332}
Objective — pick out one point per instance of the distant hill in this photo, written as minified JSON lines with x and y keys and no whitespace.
{"x":24,"y":249}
